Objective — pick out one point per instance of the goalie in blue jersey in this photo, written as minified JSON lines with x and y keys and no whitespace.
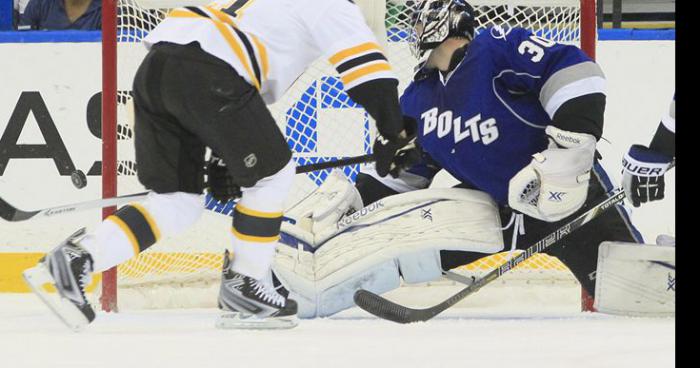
{"x":511,"y":115}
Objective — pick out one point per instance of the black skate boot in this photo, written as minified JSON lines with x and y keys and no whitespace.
{"x":254,"y":304}
{"x":67,"y":268}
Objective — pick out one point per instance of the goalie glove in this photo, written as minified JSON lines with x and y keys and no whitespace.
{"x":555,"y":183}
{"x":220,"y":182}
{"x":643,"y":174}
{"x":392,"y":155}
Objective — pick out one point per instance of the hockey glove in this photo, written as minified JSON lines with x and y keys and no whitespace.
{"x":392,"y":155}
{"x":555,"y":183}
{"x":643,"y":174}
{"x":220,"y":182}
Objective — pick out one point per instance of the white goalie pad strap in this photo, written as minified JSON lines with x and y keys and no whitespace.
{"x":555,"y":184}
{"x":401,"y":234}
{"x":636,"y":279}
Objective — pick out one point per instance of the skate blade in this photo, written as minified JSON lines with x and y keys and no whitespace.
{"x":37,"y":277}
{"x":237,"y":321}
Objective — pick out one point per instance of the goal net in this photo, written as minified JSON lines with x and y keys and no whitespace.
{"x":320,"y":123}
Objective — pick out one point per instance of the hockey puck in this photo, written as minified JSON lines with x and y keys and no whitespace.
{"x":79,"y":179}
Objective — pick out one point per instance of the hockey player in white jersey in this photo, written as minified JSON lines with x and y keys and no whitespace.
{"x":205,"y":82}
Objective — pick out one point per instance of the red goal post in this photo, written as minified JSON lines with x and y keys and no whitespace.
{"x":125,"y":22}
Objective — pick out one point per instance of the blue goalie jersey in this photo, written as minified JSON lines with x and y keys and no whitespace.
{"x":483,"y":121}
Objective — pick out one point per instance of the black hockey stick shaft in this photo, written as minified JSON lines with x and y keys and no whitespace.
{"x":389,"y":310}
{"x":337,"y":163}
{"x":11,"y":213}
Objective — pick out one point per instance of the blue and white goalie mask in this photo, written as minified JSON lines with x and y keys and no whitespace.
{"x":436,"y":20}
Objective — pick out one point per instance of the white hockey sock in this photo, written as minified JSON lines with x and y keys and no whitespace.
{"x":135,"y":227}
{"x":256,"y":223}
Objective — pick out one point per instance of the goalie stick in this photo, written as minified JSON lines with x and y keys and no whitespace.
{"x":389,"y":310}
{"x":11,"y":213}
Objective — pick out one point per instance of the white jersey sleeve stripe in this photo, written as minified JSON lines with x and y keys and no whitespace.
{"x":370,"y":64}
{"x":564,"y":78}
{"x":366,"y":73}
{"x":572,"y":90}
{"x":353,"y":52}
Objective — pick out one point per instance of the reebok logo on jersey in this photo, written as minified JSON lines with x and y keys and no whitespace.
{"x":444,"y":124}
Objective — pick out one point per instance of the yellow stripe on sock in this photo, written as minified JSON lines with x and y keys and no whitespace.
{"x":129,"y":234}
{"x":255,"y":239}
{"x":255,"y":213}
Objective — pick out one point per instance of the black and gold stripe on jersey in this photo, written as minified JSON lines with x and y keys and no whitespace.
{"x":138,"y":226}
{"x":247,"y":48}
{"x":256,"y":226}
{"x":360,"y":63}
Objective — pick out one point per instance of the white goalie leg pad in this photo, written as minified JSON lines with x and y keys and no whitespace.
{"x":636,"y":279}
{"x":397,"y":237}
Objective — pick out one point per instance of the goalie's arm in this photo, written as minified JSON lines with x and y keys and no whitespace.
{"x":571,"y":90}
{"x":373,"y":187}
{"x":583,"y":114}
{"x":339,"y":30}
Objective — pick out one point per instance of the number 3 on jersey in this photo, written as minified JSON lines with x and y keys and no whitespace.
{"x":535,"y":46}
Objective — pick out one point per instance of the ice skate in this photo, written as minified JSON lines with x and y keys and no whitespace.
{"x":67,"y":268}
{"x":253,"y":304}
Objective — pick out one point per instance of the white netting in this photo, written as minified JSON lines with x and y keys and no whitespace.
{"x":320,"y":122}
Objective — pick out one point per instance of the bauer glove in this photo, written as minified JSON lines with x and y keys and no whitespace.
{"x":643,"y":174}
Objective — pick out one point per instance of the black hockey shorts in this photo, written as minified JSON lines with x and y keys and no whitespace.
{"x":185,"y":100}
{"x":579,"y":250}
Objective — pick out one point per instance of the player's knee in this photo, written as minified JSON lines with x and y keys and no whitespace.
{"x":270,"y":193}
{"x":173,"y":213}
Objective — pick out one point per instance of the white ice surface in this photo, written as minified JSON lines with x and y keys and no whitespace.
{"x":474,"y":337}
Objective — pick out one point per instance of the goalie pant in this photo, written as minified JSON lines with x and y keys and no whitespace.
{"x":579,"y":250}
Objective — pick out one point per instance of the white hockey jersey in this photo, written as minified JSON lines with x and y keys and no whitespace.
{"x":270,"y":43}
